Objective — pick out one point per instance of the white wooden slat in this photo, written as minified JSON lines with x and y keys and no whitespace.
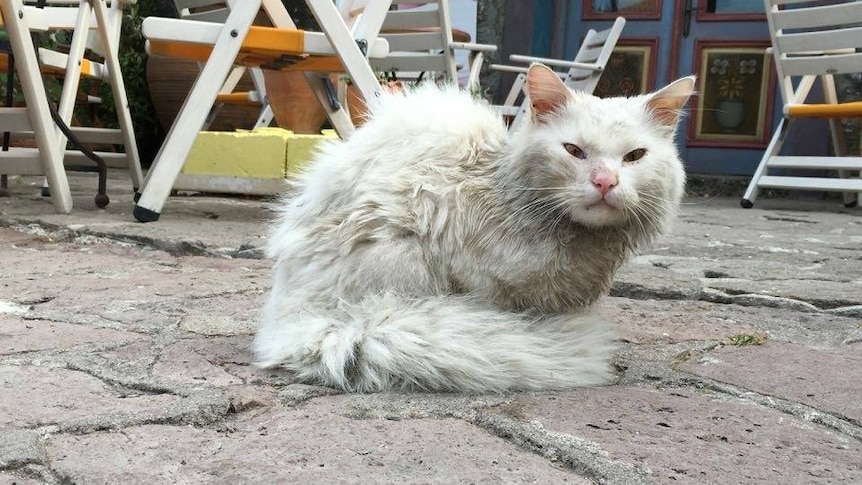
{"x":819,"y":41}
{"x":419,"y":63}
{"x":409,"y":19}
{"x":555,"y":62}
{"x":811,"y":183}
{"x":414,"y":41}
{"x":814,"y":163}
{"x":816,"y":17}
{"x":787,"y":2}
{"x":86,"y":134}
{"x":191,"y":4}
{"x":590,"y":54}
{"x":14,"y":119}
{"x":217,"y":15}
{"x":831,"y":64}
{"x":21,"y":161}
{"x":111,"y":159}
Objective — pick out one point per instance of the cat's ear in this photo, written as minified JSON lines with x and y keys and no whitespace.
{"x":667,"y":103}
{"x":546,"y":91}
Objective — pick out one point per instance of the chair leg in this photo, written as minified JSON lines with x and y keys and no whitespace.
{"x":43,"y":127}
{"x":172,"y":155}
{"x":773,"y":149}
{"x":338,"y":116}
{"x":346,"y":47}
{"x":118,"y":89}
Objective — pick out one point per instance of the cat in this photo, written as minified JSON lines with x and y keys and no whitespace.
{"x":433,"y":251}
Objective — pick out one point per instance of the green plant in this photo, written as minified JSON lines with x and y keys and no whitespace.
{"x":133,"y":58}
{"x":748,"y":339}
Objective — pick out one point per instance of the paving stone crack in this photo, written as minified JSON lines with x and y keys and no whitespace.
{"x":841,"y":424}
{"x":581,"y":456}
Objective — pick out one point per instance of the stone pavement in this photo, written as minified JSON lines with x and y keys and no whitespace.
{"x":124,"y":358}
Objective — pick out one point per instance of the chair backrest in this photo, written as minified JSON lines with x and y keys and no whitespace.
{"x":420,"y":40}
{"x":596,"y":50}
{"x":811,"y":40}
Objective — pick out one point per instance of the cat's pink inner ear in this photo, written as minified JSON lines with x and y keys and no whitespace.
{"x":546,"y":90}
{"x":667,"y":103}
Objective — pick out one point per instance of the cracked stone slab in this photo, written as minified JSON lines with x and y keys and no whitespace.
{"x":17,"y":335}
{"x":314,"y":444}
{"x":822,"y":294}
{"x":825,"y":378}
{"x":48,"y":396}
{"x":20,"y":447}
{"x":641,"y":281}
{"x":215,"y":222}
{"x":201,"y":360}
{"x":73,"y":400}
{"x":225,"y":315}
{"x":690,"y":436}
{"x":828,"y":268}
{"x":12,"y":478}
{"x":667,"y":322}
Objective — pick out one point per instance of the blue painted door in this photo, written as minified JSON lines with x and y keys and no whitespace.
{"x":723,"y":42}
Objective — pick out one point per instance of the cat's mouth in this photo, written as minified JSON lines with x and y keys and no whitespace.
{"x":602,"y":203}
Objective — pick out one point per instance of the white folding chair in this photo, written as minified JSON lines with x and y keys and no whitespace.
{"x":583,"y":72}
{"x":47,"y":159}
{"x":809,"y":42}
{"x":338,"y":48}
{"x":95,"y":27}
{"x":217,"y":11}
{"x":421,"y":44}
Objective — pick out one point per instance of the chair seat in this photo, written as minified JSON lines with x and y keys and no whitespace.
{"x":248,"y":56}
{"x":841,"y":110}
{"x":268,"y":47}
{"x":88,"y":68}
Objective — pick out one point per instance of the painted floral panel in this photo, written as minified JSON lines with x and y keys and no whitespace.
{"x":733,"y":92}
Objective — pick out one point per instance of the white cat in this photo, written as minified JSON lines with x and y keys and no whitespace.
{"x":432,"y":251}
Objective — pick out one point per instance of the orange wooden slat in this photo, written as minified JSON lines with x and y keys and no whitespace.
{"x":842,"y":110}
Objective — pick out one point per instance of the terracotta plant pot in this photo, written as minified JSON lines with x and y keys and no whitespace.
{"x":170,"y":80}
{"x":356,"y":105}
{"x":293,"y":102}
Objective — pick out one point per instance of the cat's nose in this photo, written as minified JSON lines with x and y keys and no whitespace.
{"x":604,"y":182}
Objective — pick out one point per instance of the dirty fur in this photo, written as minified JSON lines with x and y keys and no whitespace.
{"x":433,"y":250}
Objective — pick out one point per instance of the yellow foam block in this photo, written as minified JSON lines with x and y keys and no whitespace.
{"x":269,"y":153}
{"x":254,"y":154}
{"x":301,"y":148}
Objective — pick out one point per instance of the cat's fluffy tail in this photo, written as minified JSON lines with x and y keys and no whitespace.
{"x":446,"y":343}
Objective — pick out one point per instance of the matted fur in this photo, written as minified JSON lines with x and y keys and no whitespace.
{"x":433,"y":251}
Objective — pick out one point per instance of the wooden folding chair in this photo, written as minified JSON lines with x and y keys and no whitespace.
{"x":809,"y":42}
{"x":95,"y":27}
{"x":583,"y":72}
{"x":338,"y":48}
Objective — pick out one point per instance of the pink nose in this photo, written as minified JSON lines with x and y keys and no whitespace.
{"x":604,"y":181}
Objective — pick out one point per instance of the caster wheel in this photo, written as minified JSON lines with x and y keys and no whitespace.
{"x":746,"y":204}
{"x":102,"y":201}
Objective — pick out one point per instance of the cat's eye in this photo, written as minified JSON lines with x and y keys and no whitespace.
{"x":634,"y":155}
{"x":575,"y":151}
